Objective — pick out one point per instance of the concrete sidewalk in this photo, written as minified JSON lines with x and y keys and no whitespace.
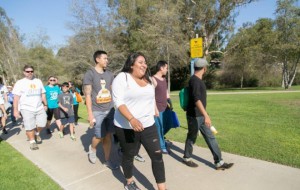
{"x":66,"y":162}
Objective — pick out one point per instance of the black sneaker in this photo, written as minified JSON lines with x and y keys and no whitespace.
{"x":189,"y":162}
{"x":131,"y":186}
{"x":224,"y":166}
{"x":4,"y":131}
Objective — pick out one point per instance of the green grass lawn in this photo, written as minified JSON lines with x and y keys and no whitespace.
{"x":16,"y":172}
{"x":263,"y":126}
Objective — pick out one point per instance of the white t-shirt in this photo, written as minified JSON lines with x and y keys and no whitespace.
{"x":3,"y":90}
{"x":140,"y":101}
{"x":30,"y":92}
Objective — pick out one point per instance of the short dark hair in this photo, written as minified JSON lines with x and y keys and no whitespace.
{"x":159,"y":65}
{"x":65,"y":84}
{"x":28,"y":66}
{"x":98,"y":53}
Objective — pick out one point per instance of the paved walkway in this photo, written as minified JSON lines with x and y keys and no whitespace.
{"x":66,"y":163}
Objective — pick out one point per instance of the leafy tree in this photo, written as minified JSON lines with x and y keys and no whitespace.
{"x":11,"y":50}
{"x":288,"y":46}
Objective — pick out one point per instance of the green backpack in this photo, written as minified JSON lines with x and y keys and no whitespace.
{"x":184,"y":98}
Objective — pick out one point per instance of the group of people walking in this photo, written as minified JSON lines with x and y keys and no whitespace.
{"x":37,"y":105}
{"x":134,"y":106}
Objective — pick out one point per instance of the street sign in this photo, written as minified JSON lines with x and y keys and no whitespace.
{"x":196,"y":45}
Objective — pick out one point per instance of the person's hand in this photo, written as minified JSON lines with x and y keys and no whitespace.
{"x":17,"y":114}
{"x":5,"y":115}
{"x":66,"y":109}
{"x":92,"y":121}
{"x":207,"y":121}
{"x":45,"y":108}
{"x":169,"y":103}
{"x":156,"y":114}
{"x":136,"y":125}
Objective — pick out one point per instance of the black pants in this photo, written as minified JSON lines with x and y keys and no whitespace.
{"x":129,"y":142}
{"x":76,"y":112}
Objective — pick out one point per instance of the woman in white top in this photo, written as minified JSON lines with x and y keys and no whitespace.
{"x":133,"y":95}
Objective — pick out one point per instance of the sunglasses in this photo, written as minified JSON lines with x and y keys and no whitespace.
{"x":28,"y":71}
{"x":52,"y":80}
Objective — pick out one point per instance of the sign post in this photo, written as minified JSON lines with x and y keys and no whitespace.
{"x":196,"y":45}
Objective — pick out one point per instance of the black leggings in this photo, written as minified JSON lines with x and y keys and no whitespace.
{"x":76,"y":112}
{"x":129,"y":142}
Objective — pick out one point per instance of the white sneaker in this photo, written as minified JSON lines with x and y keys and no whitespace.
{"x":139,"y":158}
{"x":92,"y":155}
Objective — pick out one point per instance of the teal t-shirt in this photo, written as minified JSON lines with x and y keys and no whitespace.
{"x":52,"y":93}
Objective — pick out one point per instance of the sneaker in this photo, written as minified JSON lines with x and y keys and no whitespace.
{"x":34,"y":146}
{"x":139,"y":158}
{"x":189,"y":162}
{"x":131,"y":186}
{"x":4,"y":131}
{"x":110,"y":165}
{"x":73,"y":137}
{"x":224,"y":166}
{"x":61,"y":135}
{"x":38,"y":139}
{"x":92,"y":155}
{"x":49,"y":132}
{"x":165,"y":151}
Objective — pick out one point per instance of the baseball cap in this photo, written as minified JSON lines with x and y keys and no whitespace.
{"x":200,"y":62}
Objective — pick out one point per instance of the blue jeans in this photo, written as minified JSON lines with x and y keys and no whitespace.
{"x":160,"y":130}
{"x":104,"y":122}
{"x":163,"y":123}
{"x":195,"y":124}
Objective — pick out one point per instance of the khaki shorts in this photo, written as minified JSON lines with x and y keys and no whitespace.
{"x":33,"y":119}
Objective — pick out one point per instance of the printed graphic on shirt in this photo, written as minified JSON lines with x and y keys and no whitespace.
{"x":53,"y":95}
{"x":67,"y":100}
{"x":34,"y":91}
{"x":104,"y":95}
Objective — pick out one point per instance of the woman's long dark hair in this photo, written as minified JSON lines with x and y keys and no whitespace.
{"x":130,"y":61}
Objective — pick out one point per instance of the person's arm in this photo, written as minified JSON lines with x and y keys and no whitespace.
{"x":44,"y":99}
{"x":3,"y":110}
{"x":201,"y":108}
{"x":16,"y":107}
{"x":87,"y":89}
{"x":170,"y":105}
{"x":63,"y":108}
{"x":5,"y":97}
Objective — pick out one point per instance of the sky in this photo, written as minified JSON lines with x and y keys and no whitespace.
{"x":50,"y":17}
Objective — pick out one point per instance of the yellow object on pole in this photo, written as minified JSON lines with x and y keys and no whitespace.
{"x":196,"y":45}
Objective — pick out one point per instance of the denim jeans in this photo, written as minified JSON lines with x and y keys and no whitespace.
{"x":163,"y":123}
{"x":160,"y":130}
{"x":195,"y":124}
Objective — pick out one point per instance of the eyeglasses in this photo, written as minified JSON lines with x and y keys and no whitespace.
{"x":28,"y":71}
{"x":52,"y":80}
{"x":66,"y":86}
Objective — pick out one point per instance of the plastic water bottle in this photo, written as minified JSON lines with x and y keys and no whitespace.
{"x":213,"y":130}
